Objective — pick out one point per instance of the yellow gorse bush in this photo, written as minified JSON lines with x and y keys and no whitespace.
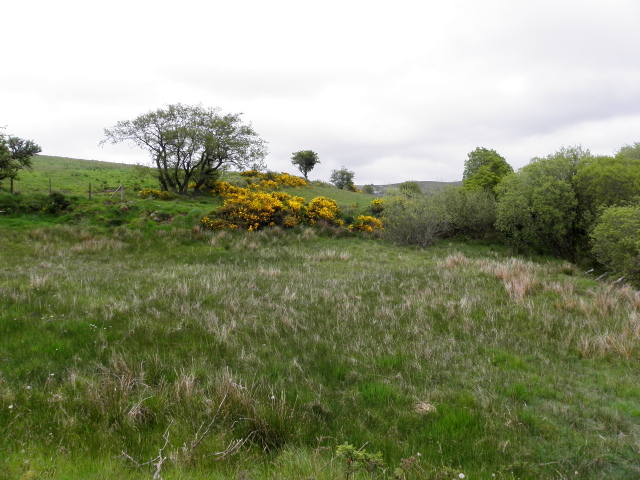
{"x":377,"y":205}
{"x":366,"y":223}
{"x":153,"y":193}
{"x":273,"y":181}
{"x":323,"y":208}
{"x":252,"y":208}
{"x":249,"y":209}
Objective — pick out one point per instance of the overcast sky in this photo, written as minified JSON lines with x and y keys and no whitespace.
{"x":396,"y":90}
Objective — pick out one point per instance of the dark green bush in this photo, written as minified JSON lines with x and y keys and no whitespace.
{"x":616,"y":241}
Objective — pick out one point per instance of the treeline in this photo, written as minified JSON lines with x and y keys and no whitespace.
{"x":570,"y":204}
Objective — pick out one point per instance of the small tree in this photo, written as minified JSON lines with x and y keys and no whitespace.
{"x":343,"y":178}
{"x":15,"y":154}
{"x":305,"y":160}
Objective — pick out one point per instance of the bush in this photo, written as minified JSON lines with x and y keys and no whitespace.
{"x":368,"y":189}
{"x":410,"y":188}
{"x":616,"y":241}
{"x":421,"y":219}
{"x":366,"y":223}
{"x":470,"y":212}
{"x":322,"y":208}
{"x":251,"y":210}
{"x":415,"y":221}
{"x":51,"y":204}
{"x":154,"y":193}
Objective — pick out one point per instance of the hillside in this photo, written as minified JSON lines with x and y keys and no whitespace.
{"x":426,"y":186}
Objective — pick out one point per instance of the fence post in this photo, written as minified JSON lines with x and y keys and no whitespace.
{"x":89,"y":190}
{"x":49,"y":186}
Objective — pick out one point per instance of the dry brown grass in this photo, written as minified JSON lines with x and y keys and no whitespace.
{"x":519,"y":277}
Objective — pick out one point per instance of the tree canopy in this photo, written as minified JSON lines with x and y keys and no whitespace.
{"x":15,"y":155}
{"x":484,"y":169}
{"x":343,"y":178}
{"x":305,"y":160}
{"x":189,"y":144}
{"x":539,"y":207}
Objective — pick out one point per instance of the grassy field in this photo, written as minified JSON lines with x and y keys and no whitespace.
{"x":136,"y":348}
{"x":118,"y":345}
{"x":72,"y":177}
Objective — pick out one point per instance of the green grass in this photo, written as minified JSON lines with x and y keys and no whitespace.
{"x":115,"y":342}
{"x":127,"y":335}
{"x":73,"y":176}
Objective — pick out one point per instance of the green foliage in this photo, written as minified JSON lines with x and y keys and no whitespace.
{"x":470,"y":212}
{"x":553,"y":203}
{"x":359,"y":460}
{"x":425,"y":218}
{"x":18,"y":204}
{"x":410,"y":188}
{"x":484,"y":169}
{"x":616,"y":241}
{"x":601,"y":182}
{"x":416,"y":220}
{"x":15,"y":154}
{"x":343,"y":179}
{"x":190,"y":143}
{"x":368,"y":189}
{"x":538,"y":206}
{"x":305,"y":160}
{"x":630,"y":151}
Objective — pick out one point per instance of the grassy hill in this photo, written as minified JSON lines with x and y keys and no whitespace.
{"x":73,"y":176}
{"x":147,"y":349}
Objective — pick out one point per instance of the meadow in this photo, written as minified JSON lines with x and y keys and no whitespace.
{"x":159,"y":350}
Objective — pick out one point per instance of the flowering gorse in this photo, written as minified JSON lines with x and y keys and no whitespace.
{"x":377,"y":205}
{"x":153,"y":193}
{"x":271,"y":180}
{"x":322,"y":208}
{"x":250,"y":209}
{"x":365,"y":223}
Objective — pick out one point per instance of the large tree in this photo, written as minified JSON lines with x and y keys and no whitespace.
{"x":189,"y":144}
{"x":305,"y":160}
{"x":15,"y":155}
{"x":484,"y":169}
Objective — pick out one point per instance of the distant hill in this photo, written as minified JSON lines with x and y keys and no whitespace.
{"x":426,"y":186}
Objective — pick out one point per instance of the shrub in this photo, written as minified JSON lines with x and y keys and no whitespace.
{"x":616,"y":241}
{"x":470,"y":212}
{"x":410,"y":188}
{"x":365,"y":223}
{"x":377,"y":206}
{"x":154,"y":193}
{"x":251,"y":210}
{"x":272,"y":180}
{"x":37,"y":203}
{"x":415,"y":221}
{"x":322,"y":208}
